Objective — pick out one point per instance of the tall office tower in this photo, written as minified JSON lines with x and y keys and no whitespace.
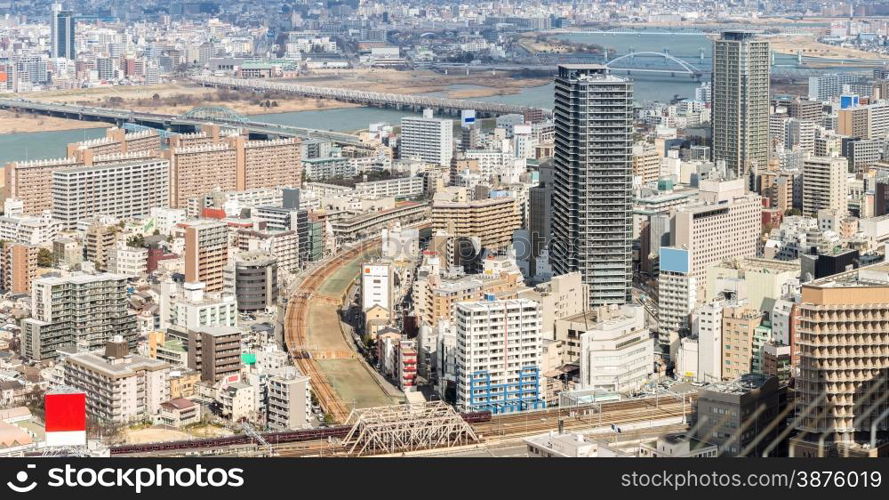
{"x":592,"y":181}
{"x":739,"y":346}
{"x":824,"y":185}
{"x":206,"y":253}
{"x":62,"y":28}
{"x":725,"y":225}
{"x":540,"y":210}
{"x":498,"y":355}
{"x":83,"y":311}
{"x":844,"y":356}
{"x":741,"y":101}
{"x":428,"y":138}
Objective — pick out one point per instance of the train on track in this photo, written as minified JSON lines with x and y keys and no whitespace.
{"x":272,"y":438}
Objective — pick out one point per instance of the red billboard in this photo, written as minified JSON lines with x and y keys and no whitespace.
{"x":65,"y":412}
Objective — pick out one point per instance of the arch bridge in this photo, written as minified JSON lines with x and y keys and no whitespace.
{"x":214,"y":114}
{"x":684,"y":67}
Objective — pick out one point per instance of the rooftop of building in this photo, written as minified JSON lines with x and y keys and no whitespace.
{"x":116,"y":367}
{"x":876,"y":275}
{"x":111,"y":166}
{"x":254,"y":258}
{"x":79,"y":278}
{"x":218,"y":330}
{"x":484,"y":305}
{"x":742,"y":385}
{"x":762,"y":264}
{"x":178,"y":404}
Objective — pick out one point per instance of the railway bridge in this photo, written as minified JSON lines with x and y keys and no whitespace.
{"x":441,"y":105}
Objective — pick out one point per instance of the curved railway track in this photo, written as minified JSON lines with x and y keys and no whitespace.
{"x":296,"y":330}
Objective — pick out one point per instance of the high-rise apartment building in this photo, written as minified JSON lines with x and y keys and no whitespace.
{"x":428,"y":138}
{"x":741,"y":101}
{"x":272,"y":163}
{"x":805,"y":109}
{"x":32,"y":181}
{"x":120,"y":387}
{"x":202,"y":162}
{"x":123,"y":190}
{"x":197,"y":170}
{"x":81,"y":311}
{"x":498,"y":355}
{"x":492,"y":220}
{"x":646,"y":162}
{"x":824,"y":185}
{"x":189,"y":307}
{"x":18,"y":267}
{"x":62,"y":33}
{"x":206,"y":253}
{"x":98,"y":242}
{"x":867,"y":122}
{"x":215,"y":351}
{"x":116,"y":141}
{"x":592,"y":179}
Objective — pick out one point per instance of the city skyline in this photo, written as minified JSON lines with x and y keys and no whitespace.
{"x":464,"y":229}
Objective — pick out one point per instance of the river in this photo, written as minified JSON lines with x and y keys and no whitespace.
{"x":693,"y":46}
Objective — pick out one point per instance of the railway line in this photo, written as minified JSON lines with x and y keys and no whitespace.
{"x":583,"y":417}
{"x":296,"y":331}
{"x":490,"y":428}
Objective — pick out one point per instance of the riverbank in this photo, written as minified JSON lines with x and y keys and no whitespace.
{"x":18,"y":123}
{"x":179,"y":97}
{"x":809,"y":47}
{"x":418,"y":82}
{"x":804,"y":39}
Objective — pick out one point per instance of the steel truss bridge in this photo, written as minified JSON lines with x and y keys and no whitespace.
{"x":409,"y":427}
{"x":171,"y":124}
{"x":376,"y":99}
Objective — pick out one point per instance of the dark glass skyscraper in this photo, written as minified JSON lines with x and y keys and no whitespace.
{"x":62,"y":28}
